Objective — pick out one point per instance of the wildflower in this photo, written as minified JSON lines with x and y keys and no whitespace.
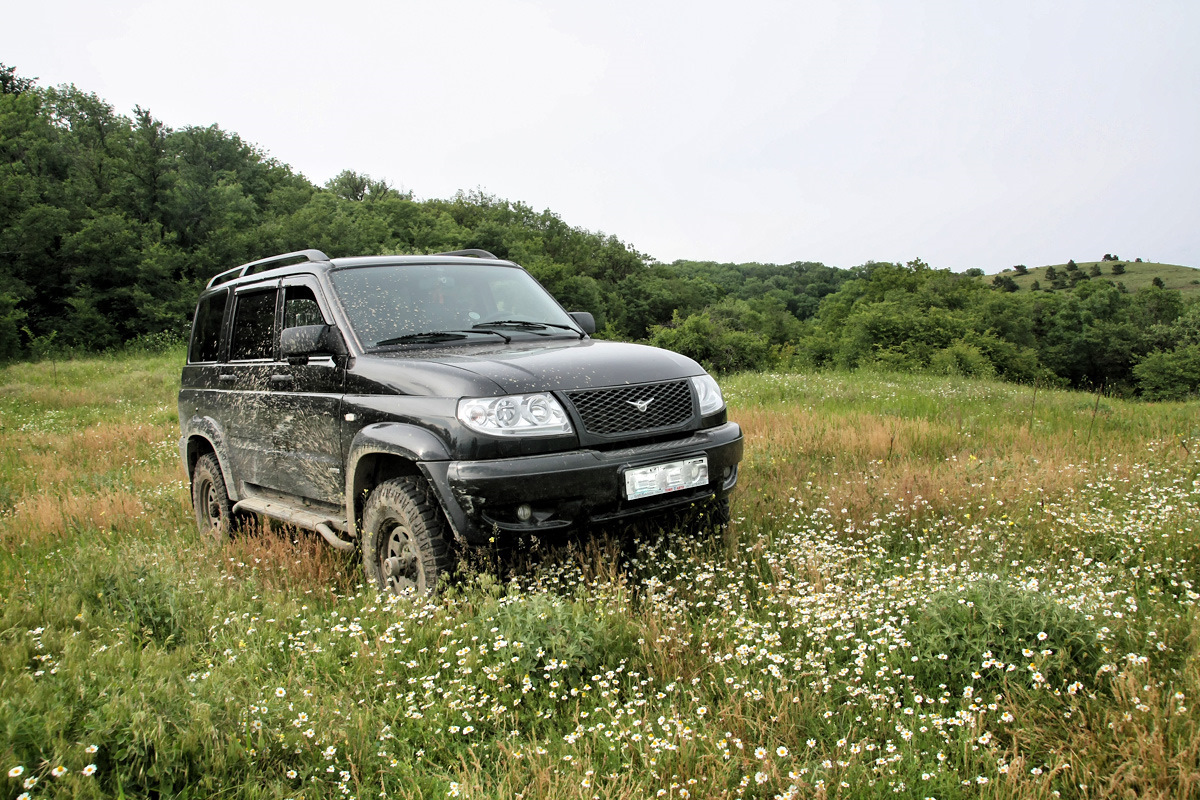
{"x":31,"y":781}
{"x":291,"y":773}
{"x":16,"y":772}
{"x":89,"y":770}
{"x":59,"y":771}
{"x":91,"y":748}
{"x":760,"y":752}
{"x":281,"y":692}
{"x":781,"y":751}
{"x":760,"y":778}
{"x":454,"y":789}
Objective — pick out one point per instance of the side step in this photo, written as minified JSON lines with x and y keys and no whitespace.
{"x":301,"y":518}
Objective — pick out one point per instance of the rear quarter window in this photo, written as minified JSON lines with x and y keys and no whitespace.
{"x":206,"y":329}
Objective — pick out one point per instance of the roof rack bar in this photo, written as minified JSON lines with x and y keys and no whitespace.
{"x":471,"y":252}
{"x":253,"y":266}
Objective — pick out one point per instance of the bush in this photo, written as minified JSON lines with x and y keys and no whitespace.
{"x":962,"y":359}
{"x":987,"y":627}
{"x":718,"y":348}
{"x":1170,"y":375}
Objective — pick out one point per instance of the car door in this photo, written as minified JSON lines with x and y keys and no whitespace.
{"x":245,"y":379}
{"x":303,"y":407}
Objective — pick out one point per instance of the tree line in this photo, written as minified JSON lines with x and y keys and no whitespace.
{"x":111,"y":224}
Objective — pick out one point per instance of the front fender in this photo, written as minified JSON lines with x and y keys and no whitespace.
{"x":413,"y":444}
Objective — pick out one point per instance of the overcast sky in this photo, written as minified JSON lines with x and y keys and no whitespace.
{"x":969,"y":134}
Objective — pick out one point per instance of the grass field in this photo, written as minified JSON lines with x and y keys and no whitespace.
{"x":1137,"y":275}
{"x":932,"y":588}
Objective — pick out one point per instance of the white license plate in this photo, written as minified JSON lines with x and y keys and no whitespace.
{"x":664,"y":478}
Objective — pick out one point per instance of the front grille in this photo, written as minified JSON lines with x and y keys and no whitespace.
{"x":612,"y":411}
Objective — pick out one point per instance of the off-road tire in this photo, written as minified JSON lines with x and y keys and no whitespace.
{"x":405,"y":541}
{"x":215,"y":517}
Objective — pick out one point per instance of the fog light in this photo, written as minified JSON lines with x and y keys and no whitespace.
{"x":524,"y":512}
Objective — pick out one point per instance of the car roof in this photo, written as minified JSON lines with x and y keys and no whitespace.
{"x":301,"y":261}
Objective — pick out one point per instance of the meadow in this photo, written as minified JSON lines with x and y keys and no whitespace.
{"x":932,"y":587}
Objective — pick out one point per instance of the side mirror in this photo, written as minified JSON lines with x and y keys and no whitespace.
{"x":585,"y":321}
{"x":297,"y":344}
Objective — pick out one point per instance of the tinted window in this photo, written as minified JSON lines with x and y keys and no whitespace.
{"x":253,"y":326}
{"x":389,"y":301}
{"x":206,"y":331}
{"x":300,"y":307}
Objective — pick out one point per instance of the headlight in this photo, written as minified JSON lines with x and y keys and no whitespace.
{"x":709,"y":394}
{"x":514,"y":415}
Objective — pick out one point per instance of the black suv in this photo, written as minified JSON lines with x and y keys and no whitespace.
{"x":403,"y":403}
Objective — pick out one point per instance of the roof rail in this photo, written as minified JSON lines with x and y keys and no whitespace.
{"x":254,"y":266}
{"x":472,"y":252}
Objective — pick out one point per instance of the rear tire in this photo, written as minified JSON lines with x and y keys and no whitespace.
{"x":405,"y":543}
{"x":215,"y":517}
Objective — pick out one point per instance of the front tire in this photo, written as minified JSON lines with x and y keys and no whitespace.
{"x":405,"y":541}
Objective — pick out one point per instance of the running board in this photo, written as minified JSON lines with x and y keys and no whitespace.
{"x":299,"y":517}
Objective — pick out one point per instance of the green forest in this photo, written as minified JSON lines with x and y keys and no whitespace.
{"x":110,"y":225}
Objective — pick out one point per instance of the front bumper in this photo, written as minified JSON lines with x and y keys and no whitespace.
{"x":566,"y":490}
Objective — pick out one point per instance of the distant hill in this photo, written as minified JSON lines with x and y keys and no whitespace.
{"x":1133,"y":274}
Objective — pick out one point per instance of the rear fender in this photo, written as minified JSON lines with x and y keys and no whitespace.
{"x":197,"y":432}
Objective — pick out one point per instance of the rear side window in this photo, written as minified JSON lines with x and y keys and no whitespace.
{"x":206,"y":330}
{"x":253,"y":334}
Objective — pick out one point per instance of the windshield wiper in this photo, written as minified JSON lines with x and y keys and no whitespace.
{"x":528,"y":324}
{"x":438,"y":336}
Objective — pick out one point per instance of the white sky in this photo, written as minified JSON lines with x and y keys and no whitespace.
{"x":969,"y":134}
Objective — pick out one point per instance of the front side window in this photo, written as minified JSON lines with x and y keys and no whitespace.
{"x":300,"y":307}
{"x":253,"y":334}
{"x":206,"y":330}
{"x":387,"y":303}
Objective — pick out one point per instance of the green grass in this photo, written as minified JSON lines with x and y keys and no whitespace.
{"x":1137,"y":275}
{"x":932,"y":588}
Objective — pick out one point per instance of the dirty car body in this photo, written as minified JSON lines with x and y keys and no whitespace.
{"x":455,"y":379}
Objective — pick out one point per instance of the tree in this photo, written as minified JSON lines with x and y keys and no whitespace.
{"x":1072,"y":266}
{"x":1005,"y":283}
{"x":1118,"y":269}
{"x":1158,"y":282}
{"x":1051,"y":273}
{"x":12,"y":83}
{"x":974,"y":272}
{"x":1094,"y":270}
{"x":1035,"y":286}
{"x":1021,"y":269}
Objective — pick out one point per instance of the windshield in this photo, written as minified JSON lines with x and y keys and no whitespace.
{"x":401,"y":303}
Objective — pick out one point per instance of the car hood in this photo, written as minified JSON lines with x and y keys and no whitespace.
{"x":557,"y":365}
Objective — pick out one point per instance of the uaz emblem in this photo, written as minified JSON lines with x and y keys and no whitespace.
{"x":641,"y":405}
